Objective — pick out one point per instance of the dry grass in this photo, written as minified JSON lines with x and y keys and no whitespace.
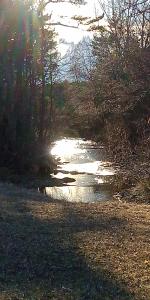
{"x":68,"y":251}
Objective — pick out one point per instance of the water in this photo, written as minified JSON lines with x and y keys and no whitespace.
{"x":85,"y":162}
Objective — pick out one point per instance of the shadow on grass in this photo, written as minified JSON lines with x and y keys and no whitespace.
{"x":40,"y":259}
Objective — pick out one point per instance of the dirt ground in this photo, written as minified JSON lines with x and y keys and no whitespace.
{"x":72,"y":251}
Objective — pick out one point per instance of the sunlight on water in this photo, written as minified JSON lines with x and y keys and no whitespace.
{"x":80,"y":157}
{"x":90,"y":168}
{"x":84,"y":162}
{"x":66,"y":148}
{"x":99,"y":180}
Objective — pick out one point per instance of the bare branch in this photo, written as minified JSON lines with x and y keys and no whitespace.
{"x":61,"y":24}
{"x":81,"y":2}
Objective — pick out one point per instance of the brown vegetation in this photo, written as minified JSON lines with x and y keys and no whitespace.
{"x":110,"y":96}
{"x":59,"y":250}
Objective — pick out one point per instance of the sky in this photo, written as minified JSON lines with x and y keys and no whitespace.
{"x":63,"y":12}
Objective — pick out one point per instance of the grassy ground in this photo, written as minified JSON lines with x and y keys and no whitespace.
{"x":65,"y":251}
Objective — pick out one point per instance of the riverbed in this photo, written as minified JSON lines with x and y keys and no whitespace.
{"x":85,"y":163}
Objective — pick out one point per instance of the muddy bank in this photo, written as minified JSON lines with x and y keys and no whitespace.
{"x":32,"y":181}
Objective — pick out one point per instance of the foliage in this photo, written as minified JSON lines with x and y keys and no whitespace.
{"x":122,"y":72}
{"x":119,"y":76}
{"x":28,"y":70}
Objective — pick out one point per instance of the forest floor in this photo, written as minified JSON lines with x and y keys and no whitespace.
{"x":52,"y":249}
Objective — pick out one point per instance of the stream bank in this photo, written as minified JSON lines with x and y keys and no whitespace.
{"x":132,"y":181}
{"x":72,"y":251}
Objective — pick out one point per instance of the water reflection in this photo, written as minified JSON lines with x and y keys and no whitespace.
{"x":78,"y":194}
{"x":85,"y":162}
{"x":95,"y":167}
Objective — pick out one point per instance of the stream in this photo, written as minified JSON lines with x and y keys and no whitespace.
{"x":83,"y":162}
